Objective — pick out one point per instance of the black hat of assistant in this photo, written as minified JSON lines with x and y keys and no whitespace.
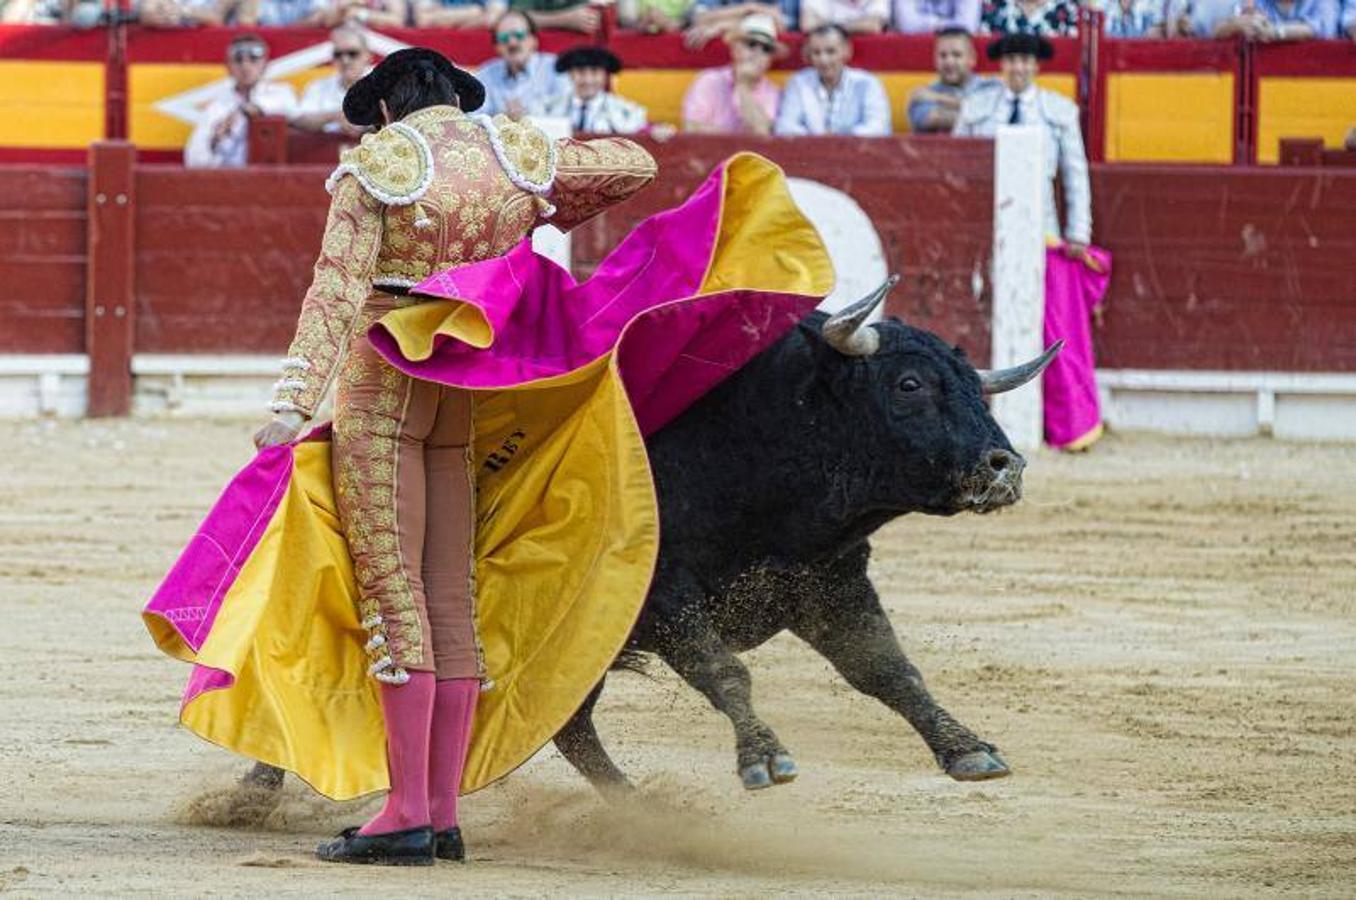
{"x":362,"y":102}
{"x":588,"y":58}
{"x":1021,"y":45}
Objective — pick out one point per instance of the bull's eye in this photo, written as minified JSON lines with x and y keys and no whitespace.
{"x":908,"y":384}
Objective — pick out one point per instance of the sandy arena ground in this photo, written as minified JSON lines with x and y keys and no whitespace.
{"x":1161,"y":639}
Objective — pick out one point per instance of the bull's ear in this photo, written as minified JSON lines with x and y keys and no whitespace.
{"x":1000,"y":381}
{"x":845,"y":332}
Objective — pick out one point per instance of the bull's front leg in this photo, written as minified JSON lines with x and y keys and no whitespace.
{"x":695,"y":651}
{"x":850,"y":629}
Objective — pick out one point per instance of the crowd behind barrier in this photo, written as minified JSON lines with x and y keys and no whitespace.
{"x":702,"y":20}
{"x":1192,"y":101}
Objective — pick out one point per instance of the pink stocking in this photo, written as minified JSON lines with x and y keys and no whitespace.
{"x":453,"y":711}
{"x":408,"y":709}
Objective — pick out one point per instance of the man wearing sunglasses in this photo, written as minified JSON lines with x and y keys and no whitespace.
{"x":221,"y":138}
{"x":322,"y":104}
{"x":521,"y":82}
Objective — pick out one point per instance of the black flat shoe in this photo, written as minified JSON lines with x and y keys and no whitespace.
{"x":411,"y":847}
{"x":450,"y":846}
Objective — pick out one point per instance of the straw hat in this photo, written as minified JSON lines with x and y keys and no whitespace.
{"x":759,"y":28}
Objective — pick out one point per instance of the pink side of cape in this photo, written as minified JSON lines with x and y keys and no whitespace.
{"x":1073,"y":289}
{"x":191,"y":594}
{"x":672,"y":346}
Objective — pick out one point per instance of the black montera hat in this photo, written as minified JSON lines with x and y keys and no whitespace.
{"x":362,"y":102}
{"x":1021,"y":45}
{"x":588,"y":58}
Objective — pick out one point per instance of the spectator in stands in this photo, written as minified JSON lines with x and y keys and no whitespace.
{"x":590,"y":106}
{"x":1133,"y":18}
{"x":654,"y":16}
{"x":852,"y":16}
{"x":1056,"y":18}
{"x":374,"y":13}
{"x":221,"y":138}
{"x":457,"y":13}
{"x":570,"y":15}
{"x":34,"y":12}
{"x":521,"y":82}
{"x":934,"y":109}
{"x":830,"y":97}
{"x":1348,"y":23}
{"x":182,"y":13}
{"x":1261,"y":20}
{"x":272,"y":13}
{"x":738,"y":98}
{"x":1020,"y":102}
{"x":932,"y":16}
{"x":715,"y":18}
{"x":322,"y":105}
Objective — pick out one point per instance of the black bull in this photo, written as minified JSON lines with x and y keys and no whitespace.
{"x":769,"y":488}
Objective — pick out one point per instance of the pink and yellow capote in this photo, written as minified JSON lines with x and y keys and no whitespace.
{"x":567,"y":379}
{"x":1074,"y":288}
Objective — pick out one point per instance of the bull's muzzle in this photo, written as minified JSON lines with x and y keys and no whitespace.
{"x":995,"y":483}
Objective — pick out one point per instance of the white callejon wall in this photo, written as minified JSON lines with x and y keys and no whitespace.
{"x":1018,"y":274}
{"x":851,"y":238}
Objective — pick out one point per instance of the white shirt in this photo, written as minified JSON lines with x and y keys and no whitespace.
{"x":324,"y":95}
{"x":985,"y":111}
{"x":604,"y":113}
{"x":232,"y":151}
{"x":858,"y":105}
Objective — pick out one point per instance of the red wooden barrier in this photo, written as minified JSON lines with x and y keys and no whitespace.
{"x":1215,"y":268}
{"x":1237,"y":269}
{"x":42,"y":259}
{"x":108,"y":290}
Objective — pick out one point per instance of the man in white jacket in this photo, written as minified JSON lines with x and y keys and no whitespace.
{"x":221,"y":138}
{"x":1016,"y":100}
{"x":590,"y":106}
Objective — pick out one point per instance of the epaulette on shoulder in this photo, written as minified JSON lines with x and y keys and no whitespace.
{"x":394,"y":165}
{"x":524,"y":151}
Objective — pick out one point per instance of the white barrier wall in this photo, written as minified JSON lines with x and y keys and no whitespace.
{"x":1018,"y":274}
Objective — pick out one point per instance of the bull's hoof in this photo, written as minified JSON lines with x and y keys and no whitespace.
{"x":756,"y":777}
{"x":783,"y":768}
{"x":978,"y":765}
{"x":779,"y":768}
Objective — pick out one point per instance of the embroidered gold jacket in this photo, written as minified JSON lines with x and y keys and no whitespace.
{"x":439,"y":189}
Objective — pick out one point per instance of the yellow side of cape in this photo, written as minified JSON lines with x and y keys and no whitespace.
{"x":566,"y":542}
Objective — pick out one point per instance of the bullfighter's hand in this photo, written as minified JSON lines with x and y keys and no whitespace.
{"x":1076,"y":250}
{"x":281,"y":429}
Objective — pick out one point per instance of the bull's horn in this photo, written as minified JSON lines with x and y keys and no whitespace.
{"x":844,"y":330}
{"x":1001,"y":380}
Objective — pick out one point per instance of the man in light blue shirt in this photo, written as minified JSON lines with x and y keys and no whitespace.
{"x":521,"y":82}
{"x":829,"y":97}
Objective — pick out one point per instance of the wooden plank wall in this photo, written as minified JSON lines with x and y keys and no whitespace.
{"x":42,"y":259}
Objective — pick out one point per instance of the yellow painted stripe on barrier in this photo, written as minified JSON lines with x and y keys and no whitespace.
{"x":661,"y":90}
{"x":51,"y":104}
{"x":150,"y":83}
{"x":1303,"y":107}
{"x":1170,"y":117}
